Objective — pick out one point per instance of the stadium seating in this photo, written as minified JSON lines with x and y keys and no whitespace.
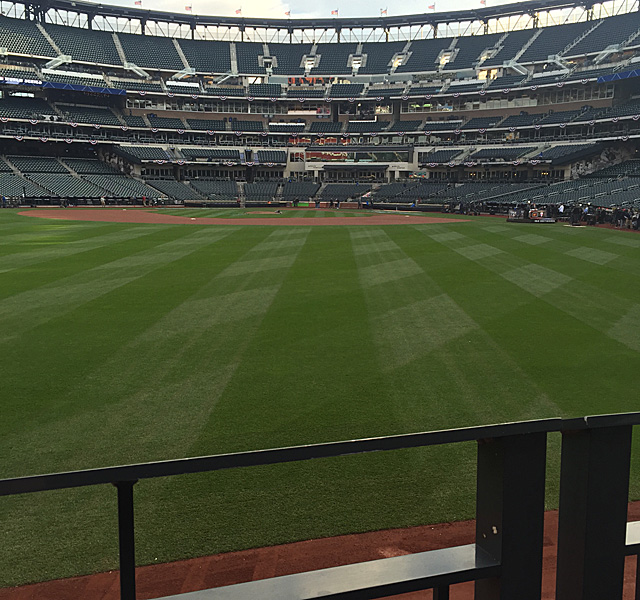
{"x":333,"y":59}
{"x":506,"y":82}
{"x":36,"y":164}
{"x":237,"y":125}
{"x":136,"y":86}
{"x":379,"y":56}
{"x":442,"y":125}
{"x":150,"y":51}
{"x":87,"y":114}
{"x":206,"y":124}
{"x":510,"y":46}
{"x":501,"y":153}
{"x":420,"y":90}
{"x":521,"y":120}
{"x":405,"y":126}
{"x":207,"y":56}
{"x":66,"y":186}
{"x":119,"y":186}
{"x":440,"y":156}
{"x":165,"y":122}
{"x":86,"y":166}
{"x":629,"y":168}
{"x":260,"y":192}
{"x":303,"y":92}
{"x":366,"y":126}
{"x":86,"y":45}
{"x":218,"y":191}
{"x":173,"y":189}
{"x":265,"y":90}
{"x":224,"y":91}
{"x":24,"y":37}
{"x":145,"y":152}
{"x":325,"y":127}
{"x":346,"y":90}
{"x":15,"y":107}
{"x":614,"y":30}
{"x":469,"y":48}
{"x":424,"y":54}
{"x":247,"y":54}
{"x":386,"y":92}
{"x":272,"y":156}
{"x":562,"y":116}
{"x":342,"y":191}
{"x":553,"y":40}
{"x":211,"y":154}
{"x":289,"y":58}
{"x":15,"y":186}
{"x":134,"y":121}
{"x":299,"y":189}
{"x":557,"y":152}
{"x":481,"y":122}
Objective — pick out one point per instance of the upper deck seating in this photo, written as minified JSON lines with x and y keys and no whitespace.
{"x":333,"y":59}
{"x":247,"y":54}
{"x":379,"y":56}
{"x":553,"y":40}
{"x":614,"y":30}
{"x":424,"y":54}
{"x":154,"y":52}
{"x":86,"y":45}
{"x":510,"y":46}
{"x":289,"y":57}
{"x":207,"y":56}
{"x":23,"y":37}
{"x":469,"y":49}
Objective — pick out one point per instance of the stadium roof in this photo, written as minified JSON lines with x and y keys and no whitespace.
{"x":335,"y":23}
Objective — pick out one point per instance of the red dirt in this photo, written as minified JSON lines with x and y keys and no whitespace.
{"x":235,"y":567}
{"x":143,"y":216}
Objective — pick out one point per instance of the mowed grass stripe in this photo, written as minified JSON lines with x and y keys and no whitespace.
{"x":307,"y":376}
{"x":169,"y":378}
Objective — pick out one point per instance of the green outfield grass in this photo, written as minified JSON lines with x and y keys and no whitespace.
{"x":128,"y":343}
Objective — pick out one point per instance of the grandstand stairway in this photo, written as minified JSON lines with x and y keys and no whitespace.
{"x":49,"y":39}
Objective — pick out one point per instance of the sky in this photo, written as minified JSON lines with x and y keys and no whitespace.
{"x":304,"y":8}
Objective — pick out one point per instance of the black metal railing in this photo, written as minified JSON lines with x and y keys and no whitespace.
{"x":505,"y":562}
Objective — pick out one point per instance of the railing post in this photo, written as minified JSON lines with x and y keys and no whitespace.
{"x":510,"y":514}
{"x":126,"y":540}
{"x":594,"y":493}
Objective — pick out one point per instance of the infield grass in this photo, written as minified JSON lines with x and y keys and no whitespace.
{"x":132,"y":343}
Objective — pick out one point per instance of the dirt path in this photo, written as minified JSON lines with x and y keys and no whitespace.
{"x":143,"y":216}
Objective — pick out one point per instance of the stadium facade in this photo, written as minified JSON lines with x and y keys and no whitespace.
{"x":101,"y":101}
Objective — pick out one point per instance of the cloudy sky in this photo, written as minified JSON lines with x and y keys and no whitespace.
{"x":304,"y":8}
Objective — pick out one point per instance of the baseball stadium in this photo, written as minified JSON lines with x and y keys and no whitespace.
{"x":319,"y":306}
